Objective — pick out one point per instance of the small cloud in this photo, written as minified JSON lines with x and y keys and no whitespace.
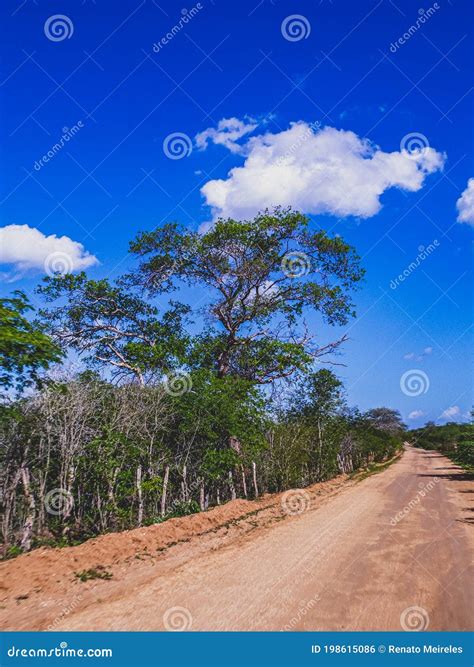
{"x":416,"y":414}
{"x":26,"y":249}
{"x":228,"y":131}
{"x":419,"y":357}
{"x":453,"y":411}
{"x":465,"y":204}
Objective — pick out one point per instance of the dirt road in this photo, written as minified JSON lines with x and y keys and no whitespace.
{"x":390,"y":552}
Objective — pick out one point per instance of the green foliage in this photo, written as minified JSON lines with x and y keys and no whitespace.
{"x":93,"y":573}
{"x":465,"y":453}
{"x":183,"y":508}
{"x":25,"y":348}
{"x":451,"y":439}
{"x":12,"y":552}
{"x":319,"y":395}
{"x":385,"y":419}
{"x":113,"y":327}
{"x":257,"y":303}
{"x":216,"y":409}
{"x":133,"y":449}
{"x":217,"y":463}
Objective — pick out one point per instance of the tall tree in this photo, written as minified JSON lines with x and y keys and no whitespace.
{"x":386,"y":419}
{"x":263,"y":276}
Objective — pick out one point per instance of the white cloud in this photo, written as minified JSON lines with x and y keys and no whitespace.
{"x":419,"y":357}
{"x":416,"y":414}
{"x":465,"y":204}
{"x":265,"y":292}
{"x":451,"y":412}
{"x":228,"y":131}
{"x":27,"y":248}
{"x":323,"y":171}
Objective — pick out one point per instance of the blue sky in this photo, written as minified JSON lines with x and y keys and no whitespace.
{"x":346,"y":69}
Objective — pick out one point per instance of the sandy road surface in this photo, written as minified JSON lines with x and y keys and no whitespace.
{"x":360,"y":561}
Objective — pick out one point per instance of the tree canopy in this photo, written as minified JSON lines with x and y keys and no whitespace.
{"x":115,"y":328}
{"x":262,"y":276}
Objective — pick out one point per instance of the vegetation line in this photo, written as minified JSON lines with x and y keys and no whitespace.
{"x":173,"y":406}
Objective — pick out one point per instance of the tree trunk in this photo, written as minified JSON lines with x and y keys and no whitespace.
{"x":202,"y":501}
{"x":140,"y":495}
{"x":244,"y":482}
{"x":320,"y":450}
{"x":233,"y":495}
{"x":165,"y":488}
{"x":30,"y":517}
{"x":255,"y":485}
{"x":184,"y":486}
{"x":8,"y":510}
